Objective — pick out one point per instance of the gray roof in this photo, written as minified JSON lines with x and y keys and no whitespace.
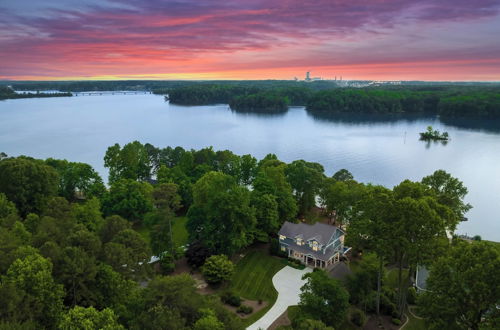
{"x":321,"y":232}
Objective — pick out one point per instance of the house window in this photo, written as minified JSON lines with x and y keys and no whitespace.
{"x":299,"y":241}
{"x":283,"y":248}
{"x":282,"y":237}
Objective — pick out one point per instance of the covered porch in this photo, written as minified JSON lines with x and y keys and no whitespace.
{"x":313,"y":261}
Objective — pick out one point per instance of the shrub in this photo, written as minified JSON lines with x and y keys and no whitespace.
{"x":217,"y":268}
{"x":245,"y":309}
{"x":396,"y":321}
{"x":412,"y":296}
{"x":230,"y":298}
{"x":358,"y":317}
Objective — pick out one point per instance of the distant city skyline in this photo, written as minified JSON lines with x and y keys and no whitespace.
{"x":454,"y":40}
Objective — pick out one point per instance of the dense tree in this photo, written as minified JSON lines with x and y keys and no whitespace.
{"x":77,"y":271}
{"x":462,"y":288}
{"x":340,"y":197}
{"x":217,"y":269}
{"x":129,"y":199}
{"x":160,"y":317}
{"x":305,"y":179}
{"x":372,"y":228}
{"x":28,"y":183}
{"x":221,"y":217}
{"x":77,"y":178}
{"x":128,"y":254}
{"x":29,"y":292}
{"x":343,"y":175}
{"x":89,"y":213}
{"x":266,"y":213}
{"x":324,"y":298}
{"x":197,"y":253}
{"x":208,"y":321}
{"x":112,"y":226}
{"x":271,"y":180}
{"x":450,"y":192}
{"x":247,"y":169}
{"x":130,"y":162}
{"x":80,"y":318}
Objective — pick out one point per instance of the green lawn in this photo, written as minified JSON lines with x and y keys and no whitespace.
{"x":414,"y":323}
{"x":253,"y":276}
{"x":252,"y":280}
{"x":179,"y":231}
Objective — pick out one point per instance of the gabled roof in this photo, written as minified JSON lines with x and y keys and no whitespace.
{"x":320,"y":232}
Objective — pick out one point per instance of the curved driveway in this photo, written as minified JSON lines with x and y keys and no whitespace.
{"x":287,"y":282}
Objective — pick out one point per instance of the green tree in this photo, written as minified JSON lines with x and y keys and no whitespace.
{"x":128,"y":254}
{"x":221,"y":216}
{"x":450,"y":192}
{"x":77,"y":178}
{"x":77,"y":271}
{"x":271,"y":180}
{"x":113,"y":225}
{"x":247,"y":169}
{"x":129,"y":199}
{"x":88,"y":213}
{"x":28,"y":183}
{"x":208,"y":321}
{"x":30,"y":293}
{"x":7,"y":208}
{"x":130,"y":162}
{"x":306,"y":179}
{"x":343,"y":175}
{"x":160,"y":317}
{"x":217,"y":269}
{"x":324,"y":298}
{"x":462,"y":288}
{"x":80,"y":318}
{"x":372,"y":228}
{"x":266,"y":213}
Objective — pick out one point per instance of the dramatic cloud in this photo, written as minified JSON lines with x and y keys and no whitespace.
{"x":190,"y":39}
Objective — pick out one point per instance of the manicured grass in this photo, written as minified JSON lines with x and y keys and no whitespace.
{"x":253,"y":276}
{"x":252,"y":280}
{"x":179,"y":231}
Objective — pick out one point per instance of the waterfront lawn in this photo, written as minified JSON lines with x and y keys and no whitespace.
{"x":253,"y":275}
{"x":252,"y":280}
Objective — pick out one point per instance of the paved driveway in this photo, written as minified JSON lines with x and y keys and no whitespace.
{"x":287,"y":282}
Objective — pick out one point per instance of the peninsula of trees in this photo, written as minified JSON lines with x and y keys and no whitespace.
{"x":75,"y":254}
{"x":8,"y":93}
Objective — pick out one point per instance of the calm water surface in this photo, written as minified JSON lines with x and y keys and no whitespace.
{"x":378,"y":151}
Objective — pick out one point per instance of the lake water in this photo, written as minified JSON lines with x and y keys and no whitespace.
{"x":381,"y":151}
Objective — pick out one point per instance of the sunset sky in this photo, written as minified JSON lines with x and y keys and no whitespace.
{"x":272,"y":39}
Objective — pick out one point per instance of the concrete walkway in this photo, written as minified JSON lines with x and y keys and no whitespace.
{"x":287,"y":282}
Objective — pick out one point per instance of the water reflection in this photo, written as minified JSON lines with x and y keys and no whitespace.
{"x":366,"y":118}
{"x":481,"y":125}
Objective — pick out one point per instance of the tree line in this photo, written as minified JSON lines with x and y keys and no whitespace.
{"x":8,"y":93}
{"x":445,"y":101}
{"x":69,"y":254}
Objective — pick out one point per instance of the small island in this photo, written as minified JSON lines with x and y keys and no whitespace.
{"x":434,"y":135}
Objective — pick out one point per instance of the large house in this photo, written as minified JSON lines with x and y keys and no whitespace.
{"x":318,"y":245}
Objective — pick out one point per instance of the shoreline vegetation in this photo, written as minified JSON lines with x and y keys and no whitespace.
{"x":434,"y":135}
{"x":8,"y":93}
{"x":443,"y":99}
